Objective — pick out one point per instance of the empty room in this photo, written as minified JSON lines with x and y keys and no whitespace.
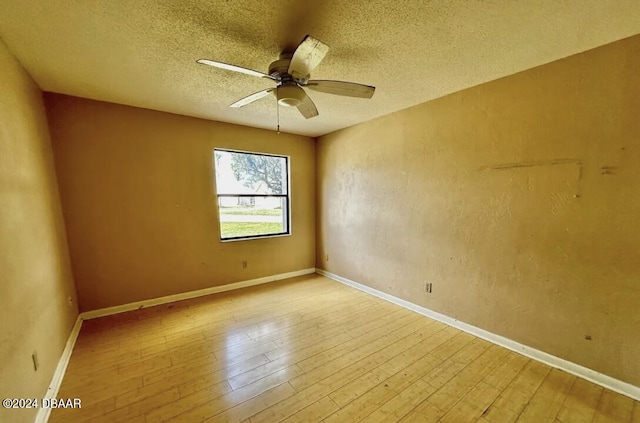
{"x":330,"y":211}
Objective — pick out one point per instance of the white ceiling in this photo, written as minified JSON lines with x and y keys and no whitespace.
{"x":142,"y":53}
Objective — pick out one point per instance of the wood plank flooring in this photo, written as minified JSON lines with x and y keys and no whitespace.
{"x":312,"y":350}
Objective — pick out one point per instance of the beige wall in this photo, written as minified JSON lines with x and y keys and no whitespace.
{"x":35,"y":276}
{"x":139,"y":202}
{"x":518,"y":199}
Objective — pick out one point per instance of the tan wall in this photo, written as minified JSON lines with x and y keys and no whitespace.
{"x":518,"y":199}
{"x":35,"y":276}
{"x":139,"y":201}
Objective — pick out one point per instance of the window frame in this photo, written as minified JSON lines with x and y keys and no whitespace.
{"x":286,"y":196}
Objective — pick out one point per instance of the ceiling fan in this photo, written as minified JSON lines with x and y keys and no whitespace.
{"x":291,"y":72}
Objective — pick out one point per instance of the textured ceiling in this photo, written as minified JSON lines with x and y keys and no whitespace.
{"x":142,"y":53}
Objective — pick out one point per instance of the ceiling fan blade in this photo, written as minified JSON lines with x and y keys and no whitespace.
{"x":234,"y":68}
{"x":307,"y":108}
{"x":251,"y":98}
{"x":307,"y":56}
{"x":349,"y":89}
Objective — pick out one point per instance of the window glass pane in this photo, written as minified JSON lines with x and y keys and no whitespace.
{"x":253,"y":194}
{"x":252,"y":216}
{"x":246,"y":173}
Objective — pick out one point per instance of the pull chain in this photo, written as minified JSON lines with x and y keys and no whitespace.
{"x":278,"y":113}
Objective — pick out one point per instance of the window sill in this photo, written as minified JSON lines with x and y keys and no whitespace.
{"x":255,"y":237}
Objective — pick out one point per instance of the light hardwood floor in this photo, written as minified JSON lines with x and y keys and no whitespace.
{"x":312,"y":350}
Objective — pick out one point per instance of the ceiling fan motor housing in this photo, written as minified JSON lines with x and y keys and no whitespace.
{"x":280,"y":70}
{"x":279,"y":67}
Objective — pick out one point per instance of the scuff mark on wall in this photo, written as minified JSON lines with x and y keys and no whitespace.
{"x":616,"y":162}
{"x":608,"y":170}
{"x":551,"y":162}
{"x":578,"y":193}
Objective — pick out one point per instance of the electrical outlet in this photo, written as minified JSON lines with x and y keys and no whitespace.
{"x":34,"y":358}
{"x":244,"y":264}
{"x":326,"y":257}
{"x":428,"y":287}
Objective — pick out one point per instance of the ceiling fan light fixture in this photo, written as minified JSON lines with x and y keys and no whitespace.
{"x":290,"y":95}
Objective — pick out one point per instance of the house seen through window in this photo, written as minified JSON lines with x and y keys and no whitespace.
{"x":253,"y":194}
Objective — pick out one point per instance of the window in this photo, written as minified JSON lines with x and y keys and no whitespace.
{"x":253,"y":194}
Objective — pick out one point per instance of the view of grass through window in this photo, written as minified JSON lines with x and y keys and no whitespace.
{"x":253,"y":194}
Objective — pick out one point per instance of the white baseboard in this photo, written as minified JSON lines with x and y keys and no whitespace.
{"x":603,"y":380}
{"x":87,"y":315}
{"x":58,"y":375}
